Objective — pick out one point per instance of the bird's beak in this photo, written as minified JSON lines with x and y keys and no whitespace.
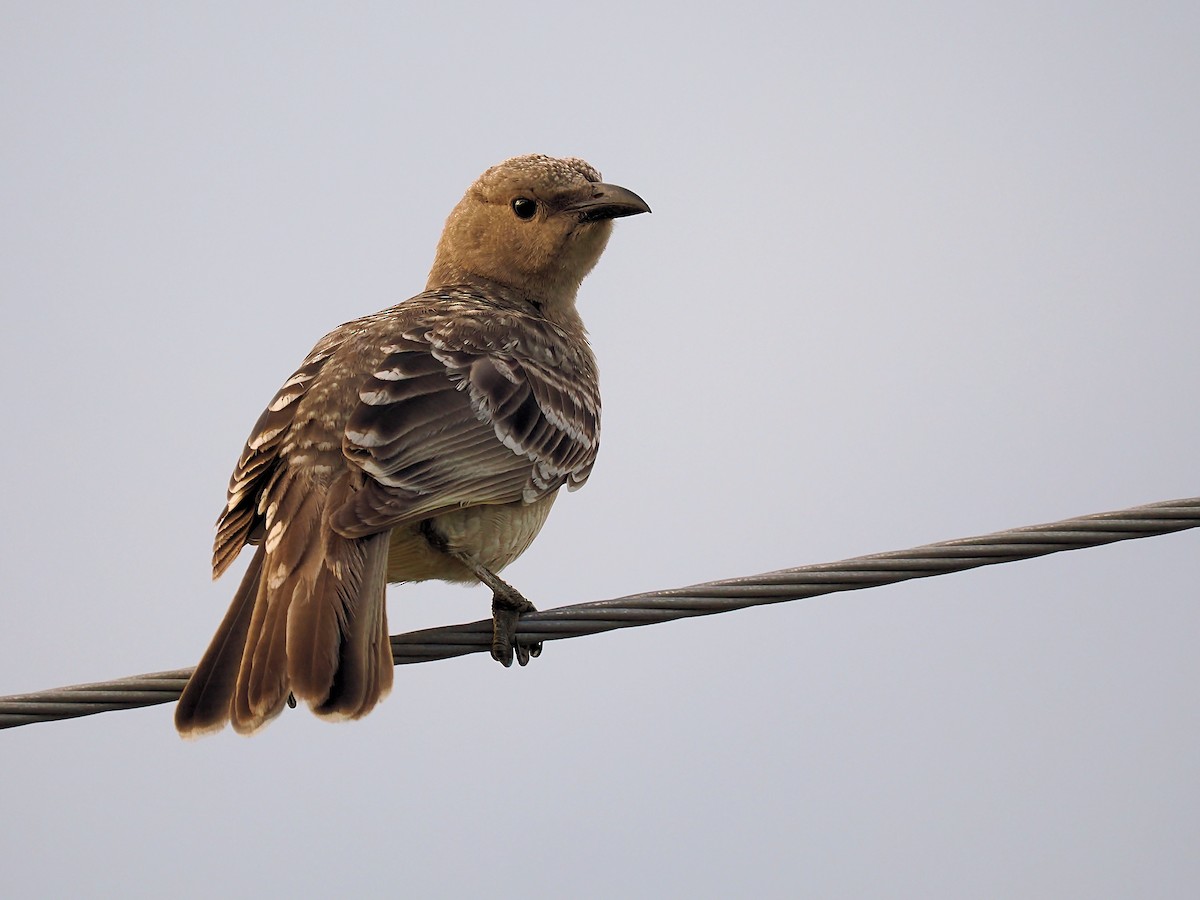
{"x":607,"y":201}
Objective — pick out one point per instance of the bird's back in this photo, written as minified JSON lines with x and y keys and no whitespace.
{"x":469,"y":398}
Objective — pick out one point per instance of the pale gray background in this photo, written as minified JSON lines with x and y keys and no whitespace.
{"x":912,"y":274}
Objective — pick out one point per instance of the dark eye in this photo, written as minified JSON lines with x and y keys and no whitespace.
{"x":524,"y":207}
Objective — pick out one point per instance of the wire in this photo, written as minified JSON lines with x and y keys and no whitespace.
{"x":663,"y":606}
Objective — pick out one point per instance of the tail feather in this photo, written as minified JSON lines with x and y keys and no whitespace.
{"x":364,"y":674}
{"x":262,"y":689}
{"x":204,"y":704}
{"x":263,"y":684}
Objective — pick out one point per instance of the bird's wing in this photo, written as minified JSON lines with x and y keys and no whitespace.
{"x":240,"y":522}
{"x":476,"y":406}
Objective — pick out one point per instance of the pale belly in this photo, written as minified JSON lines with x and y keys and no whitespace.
{"x":495,"y":535}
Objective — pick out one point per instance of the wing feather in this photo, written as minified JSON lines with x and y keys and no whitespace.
{"x":259,"y":463}
{"x":469,"y":406}
{"x":468,"y":399}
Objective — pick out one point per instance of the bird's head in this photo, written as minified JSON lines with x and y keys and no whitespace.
{"x":533,"y":223}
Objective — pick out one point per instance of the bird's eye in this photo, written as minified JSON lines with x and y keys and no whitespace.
{"x":524,"y":208}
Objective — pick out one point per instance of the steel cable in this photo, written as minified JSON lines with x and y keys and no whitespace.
{"x":663,"y":606}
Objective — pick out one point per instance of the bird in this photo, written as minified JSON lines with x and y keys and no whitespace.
{"x":425,"y":441}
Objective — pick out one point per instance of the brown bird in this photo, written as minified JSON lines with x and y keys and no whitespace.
{"x":426,"y":441}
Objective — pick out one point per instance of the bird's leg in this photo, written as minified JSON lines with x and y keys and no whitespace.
{"x":507,"y":604}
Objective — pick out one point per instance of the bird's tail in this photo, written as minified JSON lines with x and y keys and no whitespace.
{"x":308,"y":619}
{"x":339,"y":655}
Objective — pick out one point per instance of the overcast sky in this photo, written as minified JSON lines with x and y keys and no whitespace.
{"x":912,"y":275}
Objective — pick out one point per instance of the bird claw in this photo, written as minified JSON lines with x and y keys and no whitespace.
{"x":507,"y":609}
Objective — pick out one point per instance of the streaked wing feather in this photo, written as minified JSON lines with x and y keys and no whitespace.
{"x":259,"y":462}
{"x":470,"y":408}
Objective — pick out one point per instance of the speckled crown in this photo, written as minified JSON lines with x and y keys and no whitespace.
{"x":561,"y":172}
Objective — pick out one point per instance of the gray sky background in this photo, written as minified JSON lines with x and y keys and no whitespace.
{"x":912,"y":274}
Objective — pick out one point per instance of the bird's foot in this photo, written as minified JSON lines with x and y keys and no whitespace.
{"x":507,"y":607}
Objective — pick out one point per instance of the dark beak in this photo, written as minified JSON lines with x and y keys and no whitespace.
{"x":607,"y":201}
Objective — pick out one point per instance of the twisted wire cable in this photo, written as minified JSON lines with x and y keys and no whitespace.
{"x":662,"y":606}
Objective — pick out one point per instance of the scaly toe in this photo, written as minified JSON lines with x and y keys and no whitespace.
{"x":504,"y":628}
{"x":507,"y":608}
